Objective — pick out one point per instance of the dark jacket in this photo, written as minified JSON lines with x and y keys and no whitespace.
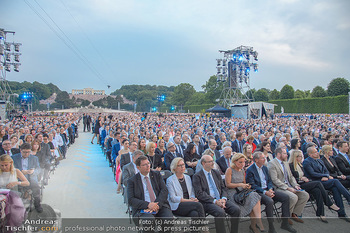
{"x":253,"y":178}
{"x":136,"y":193}
{"x":201,"y":187}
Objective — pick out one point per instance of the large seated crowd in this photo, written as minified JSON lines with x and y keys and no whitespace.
{"x":30,"y":148}
{"x":190,"y":165}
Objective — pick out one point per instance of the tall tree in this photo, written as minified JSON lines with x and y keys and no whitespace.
{"x":318,"y":91}
{"x":338,"y":86}
{"x":250,"y":93}
{"x":274,"y":95}
{"x":287,"y":92}
{"x":299,"y":94}
{"x":62,"y":98}
{"x":261,"y":95}
{"x":182,"y":93}
{"x":213,"y":89}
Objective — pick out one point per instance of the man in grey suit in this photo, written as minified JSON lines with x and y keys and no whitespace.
{"x":284,"y":181}
{"x":127,"y":157}
{"x":130,"y":169}
{"x":29,"y":165}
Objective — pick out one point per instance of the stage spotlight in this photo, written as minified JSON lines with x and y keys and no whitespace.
{"x":17,"y":57}
{"x":17,"y":46}
{"x":16,"y":67}
{"x":219,"y":62}
{"x":240,"y":57}
{"x":8,"y":46}
{"x":8,"y":67}
{"x":223,"y":62}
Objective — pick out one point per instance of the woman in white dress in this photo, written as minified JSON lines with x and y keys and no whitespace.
{"x":11,"y":205}
{"x":9,"y":175}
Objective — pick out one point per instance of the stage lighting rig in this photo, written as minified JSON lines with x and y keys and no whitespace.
{"x":9,"y":60}
{"x":234,"y":69}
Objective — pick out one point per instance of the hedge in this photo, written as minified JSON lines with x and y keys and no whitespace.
{"x":337,"y":104}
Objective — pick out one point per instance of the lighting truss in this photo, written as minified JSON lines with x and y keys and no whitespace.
{"x":9,"y":60}
{"x":234,"y":70}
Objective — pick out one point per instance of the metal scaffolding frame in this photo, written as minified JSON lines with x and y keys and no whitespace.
{"x":234,"y":70}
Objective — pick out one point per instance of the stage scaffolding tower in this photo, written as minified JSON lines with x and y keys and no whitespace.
{"x":234,"y":70}
{"x":9,"y":58}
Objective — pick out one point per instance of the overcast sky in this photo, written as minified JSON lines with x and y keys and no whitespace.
{"x":167,"y":42}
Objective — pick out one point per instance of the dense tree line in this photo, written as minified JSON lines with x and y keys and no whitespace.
{"x":176,"y":97}
{"x":184,"y":94}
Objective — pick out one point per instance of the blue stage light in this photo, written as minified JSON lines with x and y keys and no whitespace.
{"x":240,"y":57}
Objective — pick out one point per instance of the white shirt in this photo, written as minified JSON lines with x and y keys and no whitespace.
{"x":262,"y":176}
{"x":211,"y":191}
{"x":58,"y":139}
{"x":144,"y":184}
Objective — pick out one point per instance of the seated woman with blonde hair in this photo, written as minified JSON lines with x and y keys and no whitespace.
{"x":315,"y":188}
{"x":235,"y":182}
{"x":9,"y":176}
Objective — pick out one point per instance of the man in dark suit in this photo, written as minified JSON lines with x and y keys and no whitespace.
{"x":147,"y":194}
{"x":222,"y":139}
{"x":225,"y":160}
{"x":256,"y":138}
{"x":127,"y":157}
{"x":305,"y":145}
{"x":6,"y":148}
{"x":29,"y":164}
{"x":335,"y":146}
{"x":170,"y":155}
{"x":44,"y":156}
{"x":202,"y":139}
{"x":88,"y":123}
{"x":316,"y":139}
{"x":343,"y":159}
{"x":274,"y":142}
{"x":65,"y":142}
{"x":258,"y":177}
{"x":84,"y":121}
{"x":211,"y":192}
{"x":316,"y":170}
{"x":179,"y":148}
{"x":212,"y":145}
{"x":199,"y":146}
{"x":237,"y":145}
{"x":8,"y":135}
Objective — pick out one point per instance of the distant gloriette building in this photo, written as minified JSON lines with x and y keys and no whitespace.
{"x":88,"y":91}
